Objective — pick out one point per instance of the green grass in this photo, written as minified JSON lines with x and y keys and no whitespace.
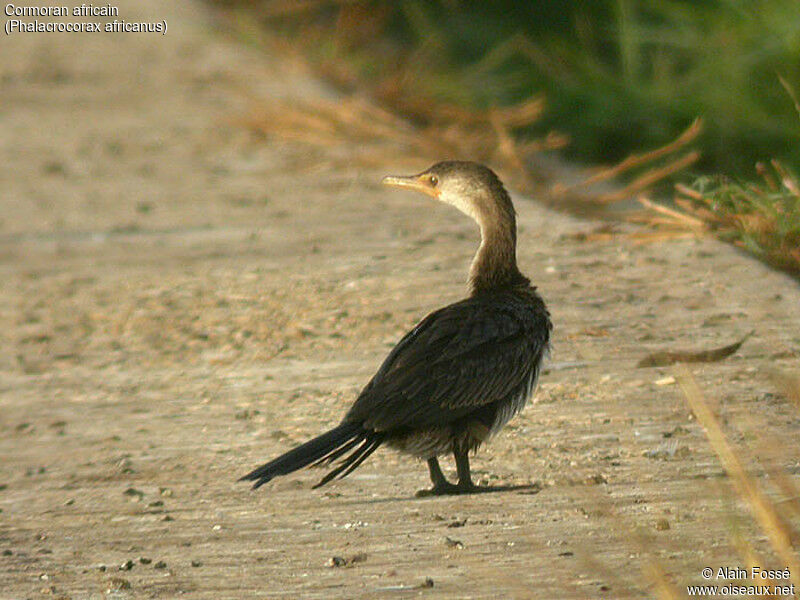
{"x":763,"y":217}
{"x":619,"y":75}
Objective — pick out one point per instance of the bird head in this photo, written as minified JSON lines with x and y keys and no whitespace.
{"x":471,"y":187}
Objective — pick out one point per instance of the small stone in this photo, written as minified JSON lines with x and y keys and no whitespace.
{"x":168,"y":518}
{"x":669,"y":380}
{"x":336,"y":561}
{"x":144,"y":560}
{"x":428,"y":583}
{"x":196,"y":563}
{"x":69,"y":502}
{"x":126,"y":566}
{"x":662,"y":525}
{"x":133,"y":494}
{"x":460,"y":523}
{"x":160,"y":565}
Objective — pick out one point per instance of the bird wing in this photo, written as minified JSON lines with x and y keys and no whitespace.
{"x":457,"y":359}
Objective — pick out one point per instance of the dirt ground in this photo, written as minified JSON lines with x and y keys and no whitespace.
{"x":181,"y":301}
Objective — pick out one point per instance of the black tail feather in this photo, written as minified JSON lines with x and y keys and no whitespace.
{"x":364,"y":455}
{"x":305,"y":454}
{"x":322,"y":450}
{"x":358,"y":456}
{"x":329,"y":458}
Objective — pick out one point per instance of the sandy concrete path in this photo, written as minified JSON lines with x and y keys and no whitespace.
{"x":181,"y":301}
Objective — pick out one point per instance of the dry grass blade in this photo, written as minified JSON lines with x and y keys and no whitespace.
{"x":689,"y":192}
{"x":446,"y":130}
{"x":650,"y":177}
{"x":760,"y":505}
{"x":522,"y":114}
{"x":765,"y":218}
{"x":676,"y":217}
{"x":708,"y":218}
{"x":636,"y":160}
{"x":663,"y":359}
{"x":788,"y":180}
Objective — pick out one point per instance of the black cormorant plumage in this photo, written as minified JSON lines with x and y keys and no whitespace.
{"x":463,"y":371}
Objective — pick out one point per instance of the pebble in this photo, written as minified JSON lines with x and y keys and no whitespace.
{"x":133,"y":494}
{"x":126,"y":566}
{"x":336,"y":561}
{"x":457,"y":523}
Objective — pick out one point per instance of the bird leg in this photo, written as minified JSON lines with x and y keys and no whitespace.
{"x":437,"y":477}
{"x":441,"y":486}
{"x":465,"y":485}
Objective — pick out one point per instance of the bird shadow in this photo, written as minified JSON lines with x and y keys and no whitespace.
{"x":524,"y":489}
{"x":527,"y":488}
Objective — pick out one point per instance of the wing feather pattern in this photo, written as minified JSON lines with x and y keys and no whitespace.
{"x":456,"y":360}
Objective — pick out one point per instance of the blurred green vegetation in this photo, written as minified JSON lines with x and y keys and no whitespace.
{"x":618,"y":75}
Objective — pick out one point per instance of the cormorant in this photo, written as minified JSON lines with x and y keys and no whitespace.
{"x":463,"y":371}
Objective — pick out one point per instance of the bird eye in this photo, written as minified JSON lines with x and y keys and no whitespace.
{"x":433,"y":180}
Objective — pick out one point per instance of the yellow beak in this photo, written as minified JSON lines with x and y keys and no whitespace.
{"x":418,"y":183}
